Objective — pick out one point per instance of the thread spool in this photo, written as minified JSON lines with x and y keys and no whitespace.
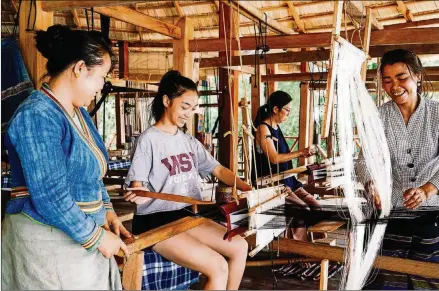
{"x":223,"y":194}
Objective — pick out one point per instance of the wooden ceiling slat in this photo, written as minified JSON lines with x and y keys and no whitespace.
{"x":134,"y":17}
{"x":66,"y":5}
{"x":378,"y":37}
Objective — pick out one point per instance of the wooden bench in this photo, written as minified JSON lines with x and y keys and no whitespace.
{"x":132,"y":267}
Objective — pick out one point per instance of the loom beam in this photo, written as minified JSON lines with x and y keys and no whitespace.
{"x":336,"y":254}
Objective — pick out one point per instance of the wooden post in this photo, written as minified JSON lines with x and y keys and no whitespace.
{"x":256,"y":93}
{"x":183,"y":60}
{"x":330,"y":140}
{"x":35,"y":63}
{"x":132,"y":271}
{"x":305,"y":119}
{"x":229,"y":97}
{"x":246,"y":140}
{"x":379,"y":87}
{"x":227,"y":152}
{"x":324,"y":274}
{"x":120,"y":122}
{"x":329,"y":100}
{"x":366,"y":41}
{"x":271,"y":69}
{"x":306,"y":123}
{"x":123,"y":60}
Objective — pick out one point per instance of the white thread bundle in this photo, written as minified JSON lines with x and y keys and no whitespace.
{"x":354,"y":101}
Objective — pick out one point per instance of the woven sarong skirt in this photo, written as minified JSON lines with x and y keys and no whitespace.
{"x":37,"y":256}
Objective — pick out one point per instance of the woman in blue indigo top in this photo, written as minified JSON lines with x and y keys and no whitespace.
{"x":56,"y":233}
{"x":169,"y":161}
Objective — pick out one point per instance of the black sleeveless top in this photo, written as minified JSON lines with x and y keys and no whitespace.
{"x":263,"y":165}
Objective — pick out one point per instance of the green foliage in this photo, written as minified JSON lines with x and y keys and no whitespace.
{"x":291,"y":126}
{"x":110,"y":119}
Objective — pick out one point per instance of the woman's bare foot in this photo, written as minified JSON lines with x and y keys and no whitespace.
{"x":293,"y":198}
{"x":307,"y":198}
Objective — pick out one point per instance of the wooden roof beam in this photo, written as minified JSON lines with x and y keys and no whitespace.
{"x":198,"y":3}
{"x":431,"y":72}
{"x":134,"y":17}
{"x":274,"y":8}
{"x":317,"y":15}
{"x":310,"y":4}
{"x":414,"y":23}
{"x":312,"y":56}
{"x":139,"y":29}
{"x":14,"y":6}
{"x":402,"y":8}
{"x":256,"y":13}
{"x":356,"y":9}
{"x":293,"y":12}
{"x":178,"y":8}
{"x":378,"y":37}
{"x":76,"y":20}
{"x":48,"y":5}
{"x":147,"y":4}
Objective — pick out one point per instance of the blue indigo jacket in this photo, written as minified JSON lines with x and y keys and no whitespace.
{"x":61,"y":166}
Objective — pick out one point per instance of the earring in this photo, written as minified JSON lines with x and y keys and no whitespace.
{"x":419,"y":84}
{"x":77,"y":75}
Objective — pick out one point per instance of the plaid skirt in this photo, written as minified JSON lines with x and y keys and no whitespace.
{"x":416,"y":239}
{"x":160,"y":273}
{"x":37,"y":256}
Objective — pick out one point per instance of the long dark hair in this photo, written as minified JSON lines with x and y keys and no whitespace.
{"x":277,"y":99}
{"x":411,"y":60}
{"x":63,"y":47}
{"x":173,"y":85}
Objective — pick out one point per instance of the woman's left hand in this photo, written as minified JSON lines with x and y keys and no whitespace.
{"x":414,"y":197}
{"x":111,"y":219}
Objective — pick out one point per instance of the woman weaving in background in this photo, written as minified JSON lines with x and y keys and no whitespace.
{"x":272,"y":152}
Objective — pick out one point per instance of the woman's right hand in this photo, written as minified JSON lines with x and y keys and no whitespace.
{"x":373,"y":194}
{"x":309,"y":151}
{"x":133,"y":198}
{"x":110,"y":245}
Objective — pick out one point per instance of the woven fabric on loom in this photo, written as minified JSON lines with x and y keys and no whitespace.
{"x":119,"y":164}
{"x":6,"y":181}
{"x":161,"y":274}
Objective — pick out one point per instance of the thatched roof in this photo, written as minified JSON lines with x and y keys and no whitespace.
{"x":152,"y":50}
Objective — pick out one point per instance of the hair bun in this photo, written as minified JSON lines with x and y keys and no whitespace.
{"x":54,"y":41}
{"x":172,"y":74}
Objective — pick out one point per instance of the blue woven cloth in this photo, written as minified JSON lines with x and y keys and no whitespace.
{"x":119,"y":164}
{"x":16,"y":84}
{"x":161,"y":274}
{"x":6,"y":181}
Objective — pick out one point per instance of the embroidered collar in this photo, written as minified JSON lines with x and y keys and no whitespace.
{"x":85,"y":134}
